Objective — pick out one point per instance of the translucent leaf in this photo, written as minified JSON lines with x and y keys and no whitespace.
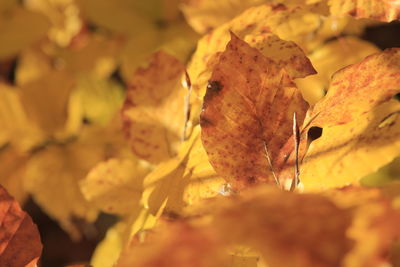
{"x":346,"y":153}
{"x":243,"y":122}
{"x":115,"y":186}
{"x":328,"y":59}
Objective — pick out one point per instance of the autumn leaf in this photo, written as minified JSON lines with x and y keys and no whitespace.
{"x":347,"y":102}
{"x":153,"y":109}
{"x":176,"y":244}
{"x":181,"y":181}
{"x":328,"y":59}
{"x":374,"y":9}
{"x":346,"y":153}
{"x":115,"y":186}
{"x":242,"y":121}
{"x":16,"y":128}
{"x":35,"y":96}
{"x":54,"y":173}
{"x":63,"y":16}
{"x":204,"y":16}
{"x":370,"y":82}
{"x":14,"y":23}
{"x":20,"y":240}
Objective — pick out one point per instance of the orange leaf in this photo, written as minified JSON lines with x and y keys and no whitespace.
{"x":383,"y":10}
{"x":176,"y":244}
{"x":359,"y":88}
{"x":20,"y":241}
{"x":247,"y":109}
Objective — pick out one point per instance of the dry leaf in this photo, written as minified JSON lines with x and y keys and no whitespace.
{"x":328,"y":59}
{"x":242,"y":119}
{"x":153,"y":109}
{"x":20,"y":240}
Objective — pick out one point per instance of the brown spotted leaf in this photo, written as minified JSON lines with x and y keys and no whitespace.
{"x":154,"y":109}
{"x":243,"y":113}
{"x":383,"y":10}
{"x":359,"y":88}
{"x":351,"y":125}
{"x":20,"y":241}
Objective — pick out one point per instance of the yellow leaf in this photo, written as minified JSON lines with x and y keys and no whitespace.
{"x":33,"y":64}
{"x":52,"y":178}
{"x":130,"y":20}
{"x":358,"y":88}
{"x":54,"y":172}
{"x":153,"y":110}
{"x":95,"y":100}
{"x":15,"y":21}
{"x":184,"y":180}
{"x":16,"y":128}
{"x":330,"y":58}
{"x":346,"y":153}
{"x":12,"y":171}
{"x":204,"y":16}
{"x":374,"y":9}
{"x":64,"y":17}
{"x":108,"y":250}
{"x":115,"y":186}
{"x":97,"y":57}
{"x":45,"y":100}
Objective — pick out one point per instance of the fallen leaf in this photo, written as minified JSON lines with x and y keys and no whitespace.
{"x":153,"y":109}
{"x":20,"y":240}
{"x":242,"y":114}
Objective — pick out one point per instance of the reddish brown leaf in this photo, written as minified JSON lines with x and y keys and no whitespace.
{"x":248,"y":107}
{"x":19,"y":238}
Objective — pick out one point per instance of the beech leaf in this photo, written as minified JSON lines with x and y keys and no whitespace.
{"x":20,"y":240}
{"x":242,"y":119}
{"x":153,"y":109}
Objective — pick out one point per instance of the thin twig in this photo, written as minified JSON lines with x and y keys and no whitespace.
{"x":187,"y":107}
{"x":296,"y":136}
{"x":270,"y":165}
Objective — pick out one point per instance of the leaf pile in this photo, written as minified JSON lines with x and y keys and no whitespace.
{"x":218,"y":133}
